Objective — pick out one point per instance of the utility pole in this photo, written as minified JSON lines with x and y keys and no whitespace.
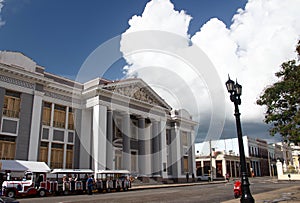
{"x":210,"y":156}
{"x":269,"y":163}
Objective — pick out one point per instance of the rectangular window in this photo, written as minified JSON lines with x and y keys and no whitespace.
{"x":168,"y":136}
{"x":45,"y":134}
{"x":7,"y":148}
{"x":10,"y":126}
{"x":133,"y":161}
{"x":59,"y":116}
{"x":57,"y":155}
{"x":185,"y":164}
{"x":69,"y":158}
{"x":71,"y":119}
{"x":184,"y":139}
{"x":11,"y":106}
{"x":46,"y":113}
{"x":70,"y":137}
{"x":58,"y":135}
{"x":43,"y":156}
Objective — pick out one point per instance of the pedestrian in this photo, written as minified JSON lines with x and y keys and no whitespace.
{"x":187,"y":177}
{"x":90,"y":182}
{"x":227,"y":177}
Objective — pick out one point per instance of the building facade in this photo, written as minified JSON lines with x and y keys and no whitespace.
{"x":99,"y":124}
{"x":261,"y":157}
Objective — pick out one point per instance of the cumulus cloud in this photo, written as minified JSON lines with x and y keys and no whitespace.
{"x":1,"y":6}
{"x":262,"y":36}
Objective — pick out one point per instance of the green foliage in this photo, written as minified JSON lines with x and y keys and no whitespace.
{"x":282,"y":101}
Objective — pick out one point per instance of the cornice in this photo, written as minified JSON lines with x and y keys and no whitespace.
{"x":21,"y":72}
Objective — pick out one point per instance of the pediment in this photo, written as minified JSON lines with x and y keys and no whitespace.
{"x":137,"y":89}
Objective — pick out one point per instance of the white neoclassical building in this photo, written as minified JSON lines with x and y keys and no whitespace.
{"x":99,"y":124}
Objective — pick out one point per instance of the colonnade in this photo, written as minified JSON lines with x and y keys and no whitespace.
{"x":150,"y":140}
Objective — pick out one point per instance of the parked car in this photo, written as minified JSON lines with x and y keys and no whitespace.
{"x":204,"y":177}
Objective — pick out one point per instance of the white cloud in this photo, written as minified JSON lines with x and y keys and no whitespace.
{"x":1,"y":6}
{"x":261,"y":37}
{"x":160,"y":15}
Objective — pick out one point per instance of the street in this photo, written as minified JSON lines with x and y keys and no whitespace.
{"x":196,"y":193}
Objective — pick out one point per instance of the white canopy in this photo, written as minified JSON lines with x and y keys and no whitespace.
{"x":18,"y":165}
{"x":112,"y":171}
{"x":72,"y":171}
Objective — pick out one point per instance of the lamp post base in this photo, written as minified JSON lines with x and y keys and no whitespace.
{"x":247,"y":199}
{"x":246,"y":194}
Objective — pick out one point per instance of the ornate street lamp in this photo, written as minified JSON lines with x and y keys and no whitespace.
{"x":235,"y":91}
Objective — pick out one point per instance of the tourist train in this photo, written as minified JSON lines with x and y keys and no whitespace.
{"x":28,"y":178}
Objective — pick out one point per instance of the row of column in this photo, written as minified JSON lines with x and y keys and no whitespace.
{"x":154,"y":154}
{"x":149,"y":146}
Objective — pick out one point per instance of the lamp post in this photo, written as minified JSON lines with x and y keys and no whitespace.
{"x":235,"y":91}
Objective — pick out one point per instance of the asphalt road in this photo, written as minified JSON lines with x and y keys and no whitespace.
{"x":196,"y":193}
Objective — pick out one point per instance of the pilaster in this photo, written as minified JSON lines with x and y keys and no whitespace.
{"x":126,"y":154}
{"x":35,"y":126}
{"x":99,"y":137}
{"x":109,"y":145}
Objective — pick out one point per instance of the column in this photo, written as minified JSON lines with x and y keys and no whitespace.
{"x":126,"y":154}
{"x":147,"y":157}
{"x":175,"y":150}
{"x":51,"y":134}
{"x":193,"y":152}
{"x":163,"y":150}
{"x":224,"y":167}
{"x":66,"y":137}
{"x":35,"y":126}
{"x":156,"y":160}
{"x":109,"y":138}
{"x":191,"y":155}
{"x":141,"y":146}
{"x":85,"y":138}
{"x":99,"y":137}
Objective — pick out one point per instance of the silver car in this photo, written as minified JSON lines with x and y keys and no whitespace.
{"x":204,"y":177}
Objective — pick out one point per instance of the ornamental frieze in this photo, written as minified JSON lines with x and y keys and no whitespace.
{"x":17,"y":82}
{"x":62,"y":97}
{"x":135,"y":92}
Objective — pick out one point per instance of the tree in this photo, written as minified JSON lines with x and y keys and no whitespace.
{"x":282,"y":101}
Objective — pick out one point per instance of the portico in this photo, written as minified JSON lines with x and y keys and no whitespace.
{"x":130,"y":125}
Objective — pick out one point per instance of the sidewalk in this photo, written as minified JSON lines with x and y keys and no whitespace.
{"x":288,"y":194}
{"x":284,"y":195}
{"x":157,"y":186}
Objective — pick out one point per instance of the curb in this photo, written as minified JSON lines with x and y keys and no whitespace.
{"x":145,"y":187}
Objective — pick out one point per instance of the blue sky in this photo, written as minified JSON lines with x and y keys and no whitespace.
{"x":250,"y":43}
{"x":60,"y":34}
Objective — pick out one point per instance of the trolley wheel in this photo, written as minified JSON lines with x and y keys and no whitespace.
{"x":11,"y":194}
{"x":42,"y":193}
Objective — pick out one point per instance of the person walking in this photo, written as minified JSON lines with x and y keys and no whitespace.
{"x":187,"y":177}
{"x":90,"y":182}
{"x":227,"y":177}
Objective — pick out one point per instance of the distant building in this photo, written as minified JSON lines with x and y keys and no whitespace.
{"x":296,"y":156}
{"x":99,"y":124}
{"x":260,"y":157}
